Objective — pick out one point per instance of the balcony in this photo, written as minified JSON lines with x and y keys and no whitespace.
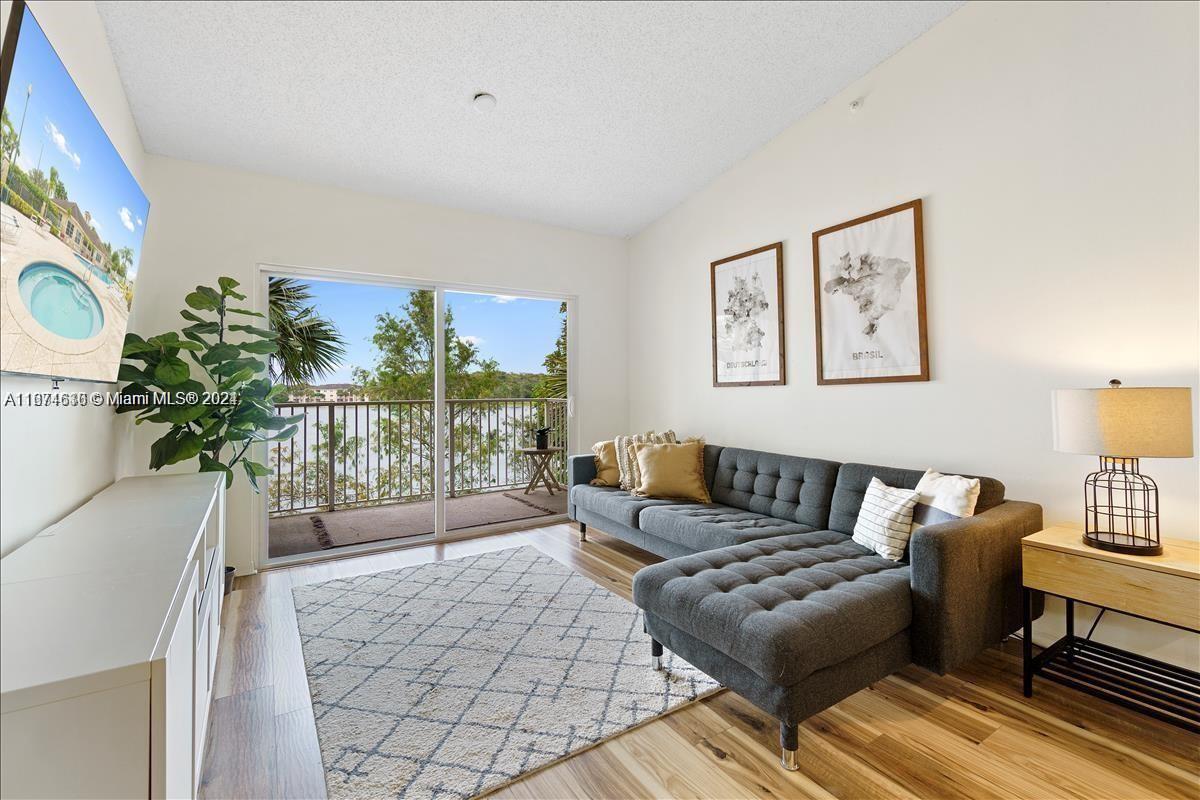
{"x":360,"y":472}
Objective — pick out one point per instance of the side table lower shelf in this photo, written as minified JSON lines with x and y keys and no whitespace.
{"x":1152,"y":687}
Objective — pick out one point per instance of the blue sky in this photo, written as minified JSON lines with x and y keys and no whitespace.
{"x":60,"y":130}
{"x":517,"y":332}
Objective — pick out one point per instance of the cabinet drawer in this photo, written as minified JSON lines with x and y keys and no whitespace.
{"x":1147,"y":593}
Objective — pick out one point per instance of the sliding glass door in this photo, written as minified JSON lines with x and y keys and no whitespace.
{"x":362,"y":468}
{"x":506,"y":379}
{"x":421,"y":410}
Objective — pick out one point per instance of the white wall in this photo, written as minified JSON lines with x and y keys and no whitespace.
{"x":54,"y":459}
{"x":209,"y":221}
{"x":1055,"y":148}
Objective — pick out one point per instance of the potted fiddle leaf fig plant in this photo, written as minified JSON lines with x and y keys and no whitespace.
{"x":216,"y":406}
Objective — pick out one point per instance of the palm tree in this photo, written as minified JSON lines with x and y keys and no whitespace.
{"x":554,"y":382}
{"x":58,"y":189}
{"x":120,"y":260}
{"x":310,"y":346}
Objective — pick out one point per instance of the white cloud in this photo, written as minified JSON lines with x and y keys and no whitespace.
{"x":60,"y":141}
{"x":126,"y":217}
{"x":96,"y":224}
{"x":475,"y":340}
{"x":503,"y":298}
{"x":139,"y":222}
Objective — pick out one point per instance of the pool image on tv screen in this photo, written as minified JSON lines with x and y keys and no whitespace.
{"x":72,"y":219}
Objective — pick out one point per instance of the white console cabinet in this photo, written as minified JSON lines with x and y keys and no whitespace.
{"x":109,"y":623}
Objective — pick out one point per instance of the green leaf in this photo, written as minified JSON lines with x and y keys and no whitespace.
{"x":275,"y":423}
{"x":149,"y":357}
{"x":237,"y":365}
{"x":188,"y":446}
{"x":137,"y":346}
{"x":260,"y":387}
{"x":254,"y":468}
{"x":190,"y":316}
{"x":212,"y":427}
{"x":163,"y":449}
{"x":178,"y":414}
{"x":202,"y":327}
{"x":227,"y":284}
{"x":254,"y":471}
{"x":221,"y":352}
{"x":128,"y":372}
{"x":234,"y":379}
{"x":189,"y":346}
{"x":197,"y":338}
{"x":285,"y":434}
{"x":260,"y":347}
{"x":131,"y":392}
{"x":263,"y":332}
{"x":211,"y":293}
{"x":172,"y":371}
{"x":190,"y":385}
{"x":210,"y":464}
{"x":245,"y":311}
{"x":201,"y":302}
{"x":168,"y":339}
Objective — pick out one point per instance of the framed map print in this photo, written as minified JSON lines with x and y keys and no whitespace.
{"x":869,"y":282}
{"x":747,"y":318}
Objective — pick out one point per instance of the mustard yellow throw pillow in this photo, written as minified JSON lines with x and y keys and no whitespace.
{"x":627,"y":462}
{"x":607,"y":472}
{"x":674,"y":471}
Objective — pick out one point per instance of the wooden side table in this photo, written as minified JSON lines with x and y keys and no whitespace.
{"x":1163,"y":589}
{"x":541,"y":471}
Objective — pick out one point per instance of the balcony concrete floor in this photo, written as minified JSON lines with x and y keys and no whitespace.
{"x":327,"y":530}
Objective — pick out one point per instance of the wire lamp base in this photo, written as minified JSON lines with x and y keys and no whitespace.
{"x":1121,"y":509}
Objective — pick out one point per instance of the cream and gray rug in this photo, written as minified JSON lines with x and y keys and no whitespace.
{"x":449,"y":679}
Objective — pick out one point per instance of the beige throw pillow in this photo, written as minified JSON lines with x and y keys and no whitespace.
{"x":944,"y":498}
{"x":626,"y":462}
{"x":674,"y":471}
{"x":607,"y":471}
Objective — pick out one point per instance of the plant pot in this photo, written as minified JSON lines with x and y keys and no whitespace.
{"x":543,"y":439}
{"x":229,"y":572}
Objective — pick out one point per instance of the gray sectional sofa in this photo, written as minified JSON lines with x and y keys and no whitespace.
{"x":765,"y":591}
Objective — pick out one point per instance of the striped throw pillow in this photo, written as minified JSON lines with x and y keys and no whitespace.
{"x":885,"y":519}
{"x":627,"y":461}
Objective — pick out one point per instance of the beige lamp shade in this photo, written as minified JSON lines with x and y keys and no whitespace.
{"x":1124,"y":422}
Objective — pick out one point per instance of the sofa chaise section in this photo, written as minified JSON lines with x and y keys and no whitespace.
{"x":796,"y":623}
{"x":793,"y":624}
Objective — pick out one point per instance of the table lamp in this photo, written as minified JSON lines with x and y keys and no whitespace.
{"x":1122,"y":425}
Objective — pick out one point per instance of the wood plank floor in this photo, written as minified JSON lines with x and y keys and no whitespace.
{"x":969,"y":734}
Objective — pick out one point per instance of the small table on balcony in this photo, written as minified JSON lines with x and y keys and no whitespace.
{"x":541,"y":471}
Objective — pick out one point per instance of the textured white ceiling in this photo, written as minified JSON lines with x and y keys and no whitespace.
{"x":609,"y":114}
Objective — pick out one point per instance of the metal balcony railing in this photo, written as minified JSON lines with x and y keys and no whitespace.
{"x":354,"y":454}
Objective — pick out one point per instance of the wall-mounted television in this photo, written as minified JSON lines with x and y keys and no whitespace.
{"x":72,"y":219}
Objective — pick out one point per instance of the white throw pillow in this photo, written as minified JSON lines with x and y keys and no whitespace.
{"x":944,"y":498}
{"x":885,"y":519}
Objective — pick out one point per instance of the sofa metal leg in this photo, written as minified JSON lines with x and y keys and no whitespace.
{"x":583,"y":531}
{"x":656,"y":655}
{"x":789,"y":742}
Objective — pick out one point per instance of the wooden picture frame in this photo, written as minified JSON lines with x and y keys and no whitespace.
{"x":739,"y":339}
{"x":877,"y":332}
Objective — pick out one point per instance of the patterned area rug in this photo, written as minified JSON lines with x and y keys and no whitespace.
{"x":447,"y":680}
